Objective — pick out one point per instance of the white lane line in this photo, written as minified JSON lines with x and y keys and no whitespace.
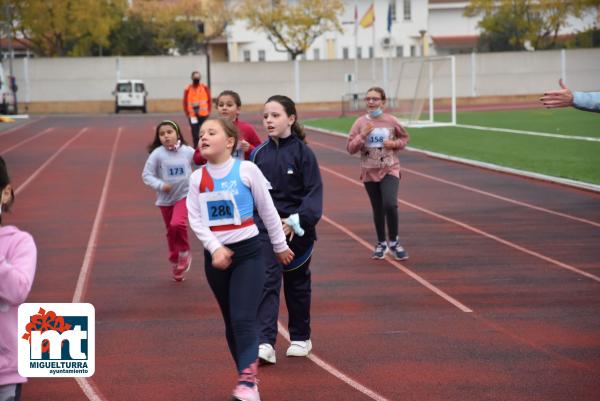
{"x":523,"y":173}
{"x":531,"y":133}
{"x":335,"y":372}
{"x":89,"y":389}
{"x":47,"y":162}
{"x":489,"y":166}
{"x":504,"y":198}
{"x":23,"y":142}
{"x":479,"y":191}
{"x":87,"y":386}
{"x":88,"y":259}
{"x":480,"y":232}
{"x":401,"y":267}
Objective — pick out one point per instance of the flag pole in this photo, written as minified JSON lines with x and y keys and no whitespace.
{"x":373,"y":39}
{"x":355,"y":81}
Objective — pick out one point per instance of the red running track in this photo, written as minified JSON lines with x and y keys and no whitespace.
{"x":499,"y":301}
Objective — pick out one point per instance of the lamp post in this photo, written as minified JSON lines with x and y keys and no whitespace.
{"x":11,"y":54}
{"x":205,"y":45}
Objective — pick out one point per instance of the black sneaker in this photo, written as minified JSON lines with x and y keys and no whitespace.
{"x":398,"y":252}
{"x":380,"y":250}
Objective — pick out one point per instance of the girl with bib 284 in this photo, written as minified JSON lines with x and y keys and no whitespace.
{"x":221,"y":199}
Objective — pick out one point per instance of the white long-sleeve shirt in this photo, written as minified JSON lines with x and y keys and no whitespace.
{"x":252,"y":177}
{"x":169,"y":167}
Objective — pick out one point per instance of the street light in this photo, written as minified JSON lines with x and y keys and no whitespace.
{"x":200,"y":27}
{"x":11,"y":54}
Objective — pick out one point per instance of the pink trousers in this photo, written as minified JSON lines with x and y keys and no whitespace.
{"x":175,"y":218}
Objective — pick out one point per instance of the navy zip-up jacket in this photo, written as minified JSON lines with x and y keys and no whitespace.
{"x":292,"y":169}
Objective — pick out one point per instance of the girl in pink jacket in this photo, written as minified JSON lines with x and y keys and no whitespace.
{"x":17,"y":268}
{"x":379,"y":137}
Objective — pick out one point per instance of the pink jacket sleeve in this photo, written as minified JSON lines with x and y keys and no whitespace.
{"x":17,"y":270}
{"x":402,"y":137}
{"x":355,"y":140}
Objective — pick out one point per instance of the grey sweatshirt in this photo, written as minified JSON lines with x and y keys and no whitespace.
{"x":169,"y":166}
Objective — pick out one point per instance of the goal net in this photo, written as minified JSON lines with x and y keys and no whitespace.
{"x":425,"y":93}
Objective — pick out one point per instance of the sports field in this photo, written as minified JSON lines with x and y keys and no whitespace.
{"x":499,"y":300}
{"x":561,"y":143}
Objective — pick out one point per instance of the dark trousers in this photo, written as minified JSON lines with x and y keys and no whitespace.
{"x":384,"y":201}
{"x":297,"y":292}
{"x":10,"y":392}
{"x":237,"y":290}
{"x":196,"y":130}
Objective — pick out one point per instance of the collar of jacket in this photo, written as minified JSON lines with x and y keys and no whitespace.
{"x":283,"y":141}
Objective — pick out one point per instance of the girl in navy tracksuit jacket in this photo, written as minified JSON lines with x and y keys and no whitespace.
{"x":297,"y":191}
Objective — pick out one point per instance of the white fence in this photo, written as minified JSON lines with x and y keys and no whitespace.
{"x":487,"y":74}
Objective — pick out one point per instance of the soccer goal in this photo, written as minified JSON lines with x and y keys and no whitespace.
{"x":425,"y":93}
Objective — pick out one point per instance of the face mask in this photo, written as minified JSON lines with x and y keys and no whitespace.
{"x":375,"y":113}
{"x":196,"y":81}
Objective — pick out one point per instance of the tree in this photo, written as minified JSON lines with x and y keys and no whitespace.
{"x":176,"y":22}
{"x":134,"y":36}
{"x":66,"y":27}
{"x":512,"y":24}
{"x":587,"y":38}
{"x":292,"y":27}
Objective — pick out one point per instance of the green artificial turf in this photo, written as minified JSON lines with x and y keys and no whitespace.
{"x":567,"y":158}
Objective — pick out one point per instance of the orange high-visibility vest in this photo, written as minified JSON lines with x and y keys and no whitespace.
{"x":197,"y":96}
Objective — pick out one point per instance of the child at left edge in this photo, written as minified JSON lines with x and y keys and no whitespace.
{"x":18,"y":260}
{"x":167,"y":171}
{"x":222,"y":197}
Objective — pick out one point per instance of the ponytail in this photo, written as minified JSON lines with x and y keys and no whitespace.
{"x":298,"y":130}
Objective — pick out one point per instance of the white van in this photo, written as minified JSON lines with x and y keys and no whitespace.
{"x":130,"y":94}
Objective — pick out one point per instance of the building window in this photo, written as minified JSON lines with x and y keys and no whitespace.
{"x":316,"y":54}
{"x":413,"y":51}
{"x":393,"y":10}
{"x":345,"y":53}
{"x":359,"y":52}
{"x":407,"y":10}
{"x":399,"y":51}
{"x":247,"y":55}
{"x":261,"y":55}
{"x":371,"y":55}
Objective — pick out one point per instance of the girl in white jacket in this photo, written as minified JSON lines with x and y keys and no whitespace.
{"x":167,"y":171}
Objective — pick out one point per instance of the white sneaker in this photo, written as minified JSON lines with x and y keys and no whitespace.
{"x":266,"y":353}
{"x":299,"y":348}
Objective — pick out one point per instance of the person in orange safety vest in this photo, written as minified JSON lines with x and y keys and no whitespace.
{"x":196,"y":105}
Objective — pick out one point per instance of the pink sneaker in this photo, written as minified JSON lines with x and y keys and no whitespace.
{"x":184,"y":264}
{"x":245,"y":393}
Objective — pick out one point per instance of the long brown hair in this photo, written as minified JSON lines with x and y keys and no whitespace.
{"x":290,"y":109}
{"x":156,"y":142}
